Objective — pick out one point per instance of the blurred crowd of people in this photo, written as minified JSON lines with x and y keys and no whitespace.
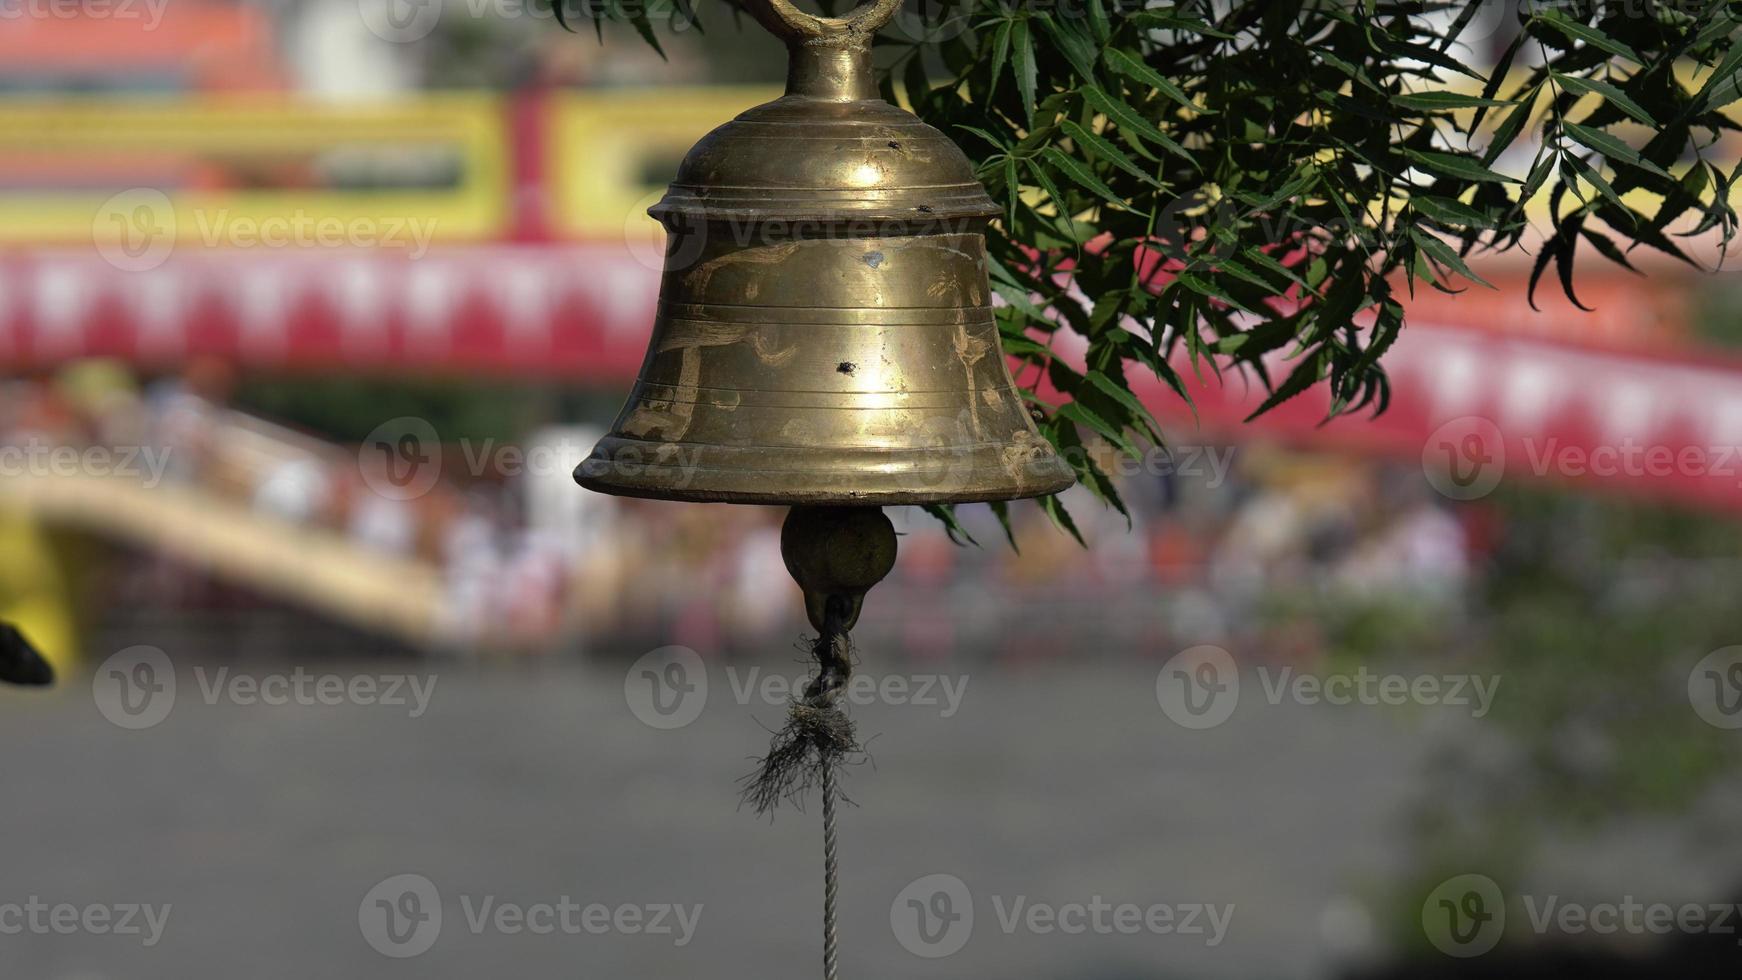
{"x":1216,"y":553}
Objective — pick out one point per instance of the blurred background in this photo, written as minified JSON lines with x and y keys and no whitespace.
{"x":309,"y":307}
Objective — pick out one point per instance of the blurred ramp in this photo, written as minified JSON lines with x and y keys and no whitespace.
{"x":317,"y":569}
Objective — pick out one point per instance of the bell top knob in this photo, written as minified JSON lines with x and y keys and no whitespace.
{"x":829,"y":57}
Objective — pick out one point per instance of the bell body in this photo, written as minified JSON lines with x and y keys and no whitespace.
{"x":824,"y":332}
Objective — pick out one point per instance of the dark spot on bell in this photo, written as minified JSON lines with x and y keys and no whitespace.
{"x":873,"y":259}
{"x":925,"y":208}
{"x":894,"y":145}
{"x":846,"y":367}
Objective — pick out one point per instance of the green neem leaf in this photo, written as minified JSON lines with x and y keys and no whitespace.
{"x":991,"y":138}
{"x":1607,"y":248}
{"x":1354,"y":71}
{"x":1095,"y":145}
{"x":1131,"y":68}
{"x":1055,"y":509}
{"x":1443,"y":101}
{"x":1444,"y":254}
{"x":1044,"y":179}
{"x":1455,"y":166}
{"x":953,"y":527}
{"x":1450,"y":212}
{"x":1204,"y":287}
{"x":1121,"y":394}
{"x":1721,"y":89}
{"x":1512,"y":125}
{"x":1078,"y":48}
{"x":1018,"y":298}
{"x":1170,"y":19}
{"x":1611,"y":147}
{"x":644,"y":27}
{"x":1098,"y":22}
{"x":1596,"y":86}
{"x":1023,"y":62}
{"x":1234,"y":268}
{"x":1582,"y":169}
{"x":1079,"y":172}
{"x":1022,"y":346}
{"x":1263,"y":259}
{"x":1539,"y":174}
{"x":1131,"y":124}
{"x":1000,"y":54}
{"x":1001,"y":510}
{"x":1588,"y":34}
{"x":1076,"y":412}
{"x":1305,"y":374}
{"x":1386,"y":327}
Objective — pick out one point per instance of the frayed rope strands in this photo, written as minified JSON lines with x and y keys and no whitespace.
{"x":817,"y":740}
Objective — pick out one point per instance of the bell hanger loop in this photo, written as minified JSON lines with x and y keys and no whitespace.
{"x":829,"y":57}
{"x":790,"y":24}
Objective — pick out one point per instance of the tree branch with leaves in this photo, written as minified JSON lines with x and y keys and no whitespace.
{"x":1216,"y":186}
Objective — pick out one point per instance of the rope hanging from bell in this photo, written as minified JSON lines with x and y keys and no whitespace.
{"x":835,"y":554}
{"x":818,"y":737}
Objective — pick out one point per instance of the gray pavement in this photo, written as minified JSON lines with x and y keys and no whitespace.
{"x":265,"y":827}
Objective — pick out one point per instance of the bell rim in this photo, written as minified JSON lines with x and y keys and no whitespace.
{"x":790,"y":486}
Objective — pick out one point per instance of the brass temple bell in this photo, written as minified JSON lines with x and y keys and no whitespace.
{"x":825,"y":340}
{"x":825,"y":331}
